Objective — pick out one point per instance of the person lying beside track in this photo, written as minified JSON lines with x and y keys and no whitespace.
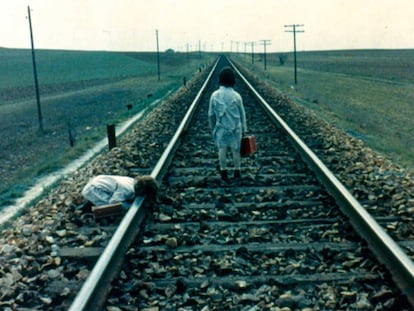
{"x":112,"y":189}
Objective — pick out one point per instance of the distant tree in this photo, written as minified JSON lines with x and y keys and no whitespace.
{"x":282,"y":58}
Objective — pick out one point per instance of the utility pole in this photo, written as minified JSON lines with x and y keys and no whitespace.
{"x":265,"y":43}
{"x":39,"y":110}
{"x":294,"y":44}
{"x":158,"y":56}
{"x":188,"y":54}
{"x":252,"y":52}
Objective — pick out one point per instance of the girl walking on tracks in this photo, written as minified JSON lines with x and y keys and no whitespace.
{"x":227,"y":120}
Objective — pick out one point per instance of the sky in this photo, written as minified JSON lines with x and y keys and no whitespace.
{"x":209,"y":25}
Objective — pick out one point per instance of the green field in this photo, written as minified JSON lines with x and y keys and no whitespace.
{"x":80,"y":93}
{"x":367,"y":93}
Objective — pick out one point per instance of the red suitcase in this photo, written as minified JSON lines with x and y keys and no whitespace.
{"x":248,"y":145}
{"x":107,"y":210}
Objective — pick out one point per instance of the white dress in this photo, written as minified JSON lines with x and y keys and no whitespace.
{"x":109,"y":189}
{"x":227,"y":117}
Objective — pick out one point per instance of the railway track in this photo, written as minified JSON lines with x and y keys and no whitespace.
{"x":278,"y":237}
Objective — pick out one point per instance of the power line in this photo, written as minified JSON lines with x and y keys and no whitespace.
{"x":294,"y":30}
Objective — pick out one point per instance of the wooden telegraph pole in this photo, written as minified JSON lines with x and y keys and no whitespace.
{"x":294,"y":43}
{"x":158,"y":56}
{"x":252,"y":52}
{"x":188,"y":53}
{"x":39,"y":110}
{"x":265,"y":43}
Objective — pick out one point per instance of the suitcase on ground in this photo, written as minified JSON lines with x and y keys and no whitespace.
{"x":107,"y":210}
{"x":248,"y":145}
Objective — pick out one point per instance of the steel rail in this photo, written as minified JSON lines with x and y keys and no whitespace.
{"x":95,"y":289}
{"x":381,"y":244}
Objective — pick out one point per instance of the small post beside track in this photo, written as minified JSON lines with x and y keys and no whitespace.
{"x":110,"y":128}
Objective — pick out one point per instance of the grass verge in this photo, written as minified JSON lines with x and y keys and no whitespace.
{"x":75,"y":100}
{"x":372,"y":105}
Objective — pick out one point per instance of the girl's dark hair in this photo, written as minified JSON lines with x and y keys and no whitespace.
{"x":226,"y":77}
